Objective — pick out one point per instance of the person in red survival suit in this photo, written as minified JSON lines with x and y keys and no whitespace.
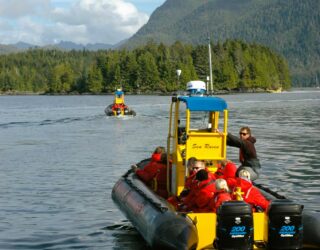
{"x":194,"y":166}
{"x":121,"y":106}
{"x":115,"y":106}
{"x":250,"y":193}
{"x":149,"y":171}
{"x":155,"y":157}
{"x":198,"y":200}
{"x":159,"y":184}
{"x":193,"y":170}
{"x":221,"y":195}
{"x":226,"y":169}
{"x":154,"y":174}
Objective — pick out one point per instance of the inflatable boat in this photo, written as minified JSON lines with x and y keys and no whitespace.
{"x":284,"y":225}
{"x":118,"y":107}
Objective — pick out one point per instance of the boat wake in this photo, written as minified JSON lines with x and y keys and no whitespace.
{"x":123,"y":226}
{"x":50,"y":122}
{"x":120,"y":117}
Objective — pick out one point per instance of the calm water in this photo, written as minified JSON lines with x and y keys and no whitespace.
{"x":60,"y":157}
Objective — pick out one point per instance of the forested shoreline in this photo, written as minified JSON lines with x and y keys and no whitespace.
{"x":237,"y":66}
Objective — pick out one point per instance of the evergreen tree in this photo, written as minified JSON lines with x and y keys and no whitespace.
{"x":148,"y":75}
{"x":95,"y":79}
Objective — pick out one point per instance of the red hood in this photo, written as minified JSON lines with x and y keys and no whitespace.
{"x":230,"y":170}
{"x":156,"y":157}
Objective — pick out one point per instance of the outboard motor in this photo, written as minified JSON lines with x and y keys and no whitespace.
{"x":285,"y":225}
{"x":118,"y":111}
{"x":234,"y":226}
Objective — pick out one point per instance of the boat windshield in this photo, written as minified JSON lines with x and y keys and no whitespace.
{"x":199,"y":120}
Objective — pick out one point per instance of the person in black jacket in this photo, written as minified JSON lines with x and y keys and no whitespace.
{"x":247,"y":152}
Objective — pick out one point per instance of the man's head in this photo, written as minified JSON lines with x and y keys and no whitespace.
{"x":245,"y":133}
{"x":191,"y":163}
{"x":198,"y":165}
{"x":222,"y":163}
{"x":159,"y":150}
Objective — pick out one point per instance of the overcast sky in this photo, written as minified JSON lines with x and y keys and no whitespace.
{"x":42,"y":22}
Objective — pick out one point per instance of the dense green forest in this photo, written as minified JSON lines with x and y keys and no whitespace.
{"x":146,"y":69}
{"x":289,"y":27}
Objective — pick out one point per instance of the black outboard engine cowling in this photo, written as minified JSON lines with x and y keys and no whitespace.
{"x":234,"y":226}
{"x":285,"y":225}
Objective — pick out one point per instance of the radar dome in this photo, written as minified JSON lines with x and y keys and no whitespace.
{"x":196,"y":87}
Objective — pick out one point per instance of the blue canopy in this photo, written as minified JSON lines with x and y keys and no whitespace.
{"x":204,"y":103}
{"x":119,"y":93}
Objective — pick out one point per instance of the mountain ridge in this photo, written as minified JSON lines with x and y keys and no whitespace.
{"x":63,"y":45}
{"x":289,"y":27}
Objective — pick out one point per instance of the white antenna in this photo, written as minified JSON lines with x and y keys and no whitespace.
{"x":178,"y":71}
{"x":209,"y":89}
{"x":210,"y":67}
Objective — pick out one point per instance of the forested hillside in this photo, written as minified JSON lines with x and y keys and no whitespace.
{"x":146,"y":69}
{"x":290,"y":27}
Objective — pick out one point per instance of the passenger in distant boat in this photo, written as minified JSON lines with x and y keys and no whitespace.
{"x":198,"y":200}
{"x":221,"y":195}
{"x":247,"y":152}
{"x":249,"y":193}
{"x":119,"y":106}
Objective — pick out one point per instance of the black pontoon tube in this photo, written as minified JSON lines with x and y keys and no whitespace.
{"x":157,"y":222}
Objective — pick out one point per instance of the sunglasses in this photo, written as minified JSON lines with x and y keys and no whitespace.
{"x":195,"y":168}
{"x":243,"y":133}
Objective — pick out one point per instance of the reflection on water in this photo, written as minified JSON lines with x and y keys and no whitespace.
{"x":126,"y":237}
{"x":60,"y":157}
